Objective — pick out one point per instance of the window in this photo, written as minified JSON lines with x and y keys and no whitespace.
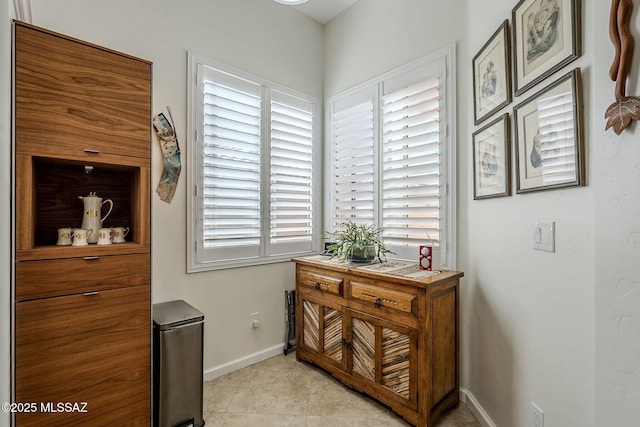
{"x":253,"y":180}
{"x":392,"y":157}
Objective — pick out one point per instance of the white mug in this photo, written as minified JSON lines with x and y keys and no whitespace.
{"x":64,"y":236}
{"x":119,"y":233}
{"x":104,"y":236}
{"x":80,"y":236}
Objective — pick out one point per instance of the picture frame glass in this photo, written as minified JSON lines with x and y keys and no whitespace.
{"x":548,"y":138}
{"x":490,"y":70}
{"x":545,"y":33}
{"x":545,"y":38}
{"x":492,"y":75}
{"x":491,"y":159}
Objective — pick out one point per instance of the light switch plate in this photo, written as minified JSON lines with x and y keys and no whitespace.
{"x":544,"y":236}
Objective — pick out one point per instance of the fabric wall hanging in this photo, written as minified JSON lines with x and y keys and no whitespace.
{"x":170,"y":155}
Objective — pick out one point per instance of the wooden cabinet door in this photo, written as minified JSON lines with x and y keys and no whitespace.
{"x":79,"y":98}
{"x":92,"y":348}
{"x":322,"y":329}
{"x":385,"y":354}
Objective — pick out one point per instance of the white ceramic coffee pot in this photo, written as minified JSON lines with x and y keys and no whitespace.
{"x":91,"y":216}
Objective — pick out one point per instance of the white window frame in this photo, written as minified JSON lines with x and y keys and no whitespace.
{"x":445,"y":253}
{"x":201,"y":259}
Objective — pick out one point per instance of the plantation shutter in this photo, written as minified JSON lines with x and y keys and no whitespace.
{"x":291,"y":174}
{"x":231,"y":164}
{"x":411,"y":161}
{"x":352,"y":127}
{"x":256,"y":169}
{"x":393,"y":157}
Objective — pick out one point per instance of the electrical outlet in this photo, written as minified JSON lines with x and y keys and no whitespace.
{"x":537,"y":416}
{"x":254,"y":318}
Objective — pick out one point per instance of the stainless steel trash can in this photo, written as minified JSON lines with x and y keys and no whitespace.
{"x":177,"y":365}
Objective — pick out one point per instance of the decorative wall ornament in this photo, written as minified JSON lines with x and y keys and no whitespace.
{"x":170,"y":155}
{"x":625,"y":108}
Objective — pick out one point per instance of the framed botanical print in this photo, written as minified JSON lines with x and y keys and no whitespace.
{"x":492,"y":75}
{"x":549,"y":137}
{"x":491,"y":160}
{"x":546,"y":37}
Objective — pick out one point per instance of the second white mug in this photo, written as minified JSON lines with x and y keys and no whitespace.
{"x":80,"y":236}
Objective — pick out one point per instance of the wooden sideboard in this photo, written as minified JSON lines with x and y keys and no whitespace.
{"x":388,"y":330}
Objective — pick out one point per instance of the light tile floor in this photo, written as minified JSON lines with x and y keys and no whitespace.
{"x":283,"y":392}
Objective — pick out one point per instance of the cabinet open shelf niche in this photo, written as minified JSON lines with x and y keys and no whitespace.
{"x":55,"y":186}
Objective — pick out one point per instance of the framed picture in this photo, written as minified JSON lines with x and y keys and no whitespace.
{"x":549,"y":137}
{"x":491,"y":164}
{"x":546,"y":37}
{"x":492,"y":75}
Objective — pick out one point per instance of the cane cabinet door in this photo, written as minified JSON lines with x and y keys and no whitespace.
{"x":384,"y":353}
{"x":322,"y":329}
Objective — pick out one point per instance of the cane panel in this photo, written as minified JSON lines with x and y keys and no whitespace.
{"x":396,"y":374}
{"x":364,"y":348}
{"x":333,"y":333}
{"x":311,"y":324}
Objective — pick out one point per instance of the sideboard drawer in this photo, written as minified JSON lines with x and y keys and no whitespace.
{"x":383,"y":297}
{"x":322,"y":282}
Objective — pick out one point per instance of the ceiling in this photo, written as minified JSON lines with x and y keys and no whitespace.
{"x":324,"y":11}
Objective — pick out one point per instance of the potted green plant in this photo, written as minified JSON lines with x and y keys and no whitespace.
{"x":358,"y":243}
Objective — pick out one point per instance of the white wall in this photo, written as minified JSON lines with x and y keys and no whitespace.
{"x":527,"y":316}
{"x":258,"y":36}
{"x":616,"y":178}
{"x":375,"y":36}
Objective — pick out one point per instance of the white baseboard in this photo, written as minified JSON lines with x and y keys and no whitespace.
{"x":234,"y":365}
{"x":476,"y":409}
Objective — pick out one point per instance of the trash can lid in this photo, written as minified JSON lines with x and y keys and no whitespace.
{"x":174,"y":313}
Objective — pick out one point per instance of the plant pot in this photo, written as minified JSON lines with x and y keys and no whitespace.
{"x":362,"y":254}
